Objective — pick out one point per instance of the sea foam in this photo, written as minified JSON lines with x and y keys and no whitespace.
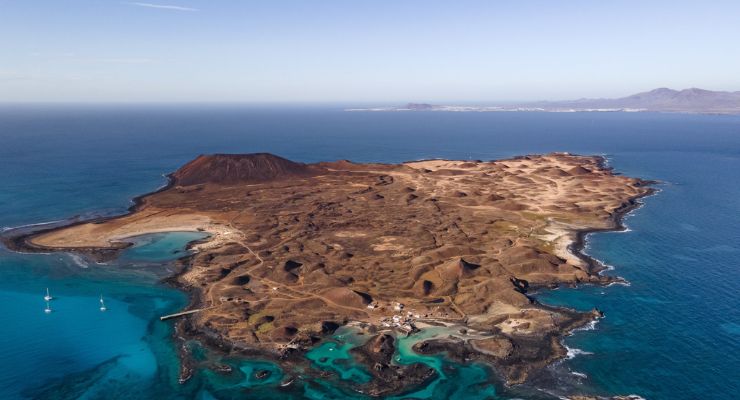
{"x":573,"y":352}
{"x":579,"y":374}
{"x":10,"y":228}
{"x":79,"y":261}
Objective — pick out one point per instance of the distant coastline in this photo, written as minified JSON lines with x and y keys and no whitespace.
{"x":687,"y":101}
{"x":451,"y":108}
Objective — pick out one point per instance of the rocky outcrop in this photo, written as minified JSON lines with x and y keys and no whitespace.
{"x":377,"y":353}
{"x":240,"y":168}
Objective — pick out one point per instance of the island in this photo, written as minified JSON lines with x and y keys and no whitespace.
{"x":662,"y":100}
{"x":294,"y":251}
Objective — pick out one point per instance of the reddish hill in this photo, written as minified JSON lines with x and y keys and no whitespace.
{"x":240,"y":168}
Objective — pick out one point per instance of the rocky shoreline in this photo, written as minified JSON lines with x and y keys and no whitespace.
{"x":581,"y":241}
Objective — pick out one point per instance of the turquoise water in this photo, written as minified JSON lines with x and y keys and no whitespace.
{"x":43,"y":354}
{"x":160,"y":247}
{"x":335,"y":356}
{"x":671,"y":334}
{"x":453,"y":381}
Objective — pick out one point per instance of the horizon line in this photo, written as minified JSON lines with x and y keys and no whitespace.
{"x":345,"y":102}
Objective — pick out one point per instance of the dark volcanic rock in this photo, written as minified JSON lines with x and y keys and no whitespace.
{"x":390,"y":378}
{"x":240,"y":168}
{"x":329,"y":327}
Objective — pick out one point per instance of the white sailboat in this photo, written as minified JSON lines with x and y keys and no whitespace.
{"x":48,"y":307}
{"x":48,"y":296}
{"x":102,"y":304}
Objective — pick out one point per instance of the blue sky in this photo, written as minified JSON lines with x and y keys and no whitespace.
{"x":362,"y":51}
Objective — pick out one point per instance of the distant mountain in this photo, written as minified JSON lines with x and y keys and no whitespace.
{"x":659,"y":100}
{"x":663,"y":99}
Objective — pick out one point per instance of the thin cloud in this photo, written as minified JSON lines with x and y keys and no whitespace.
{"x":11,"y":76}
{"x":129,"y":60}
{"x":163,"y":6}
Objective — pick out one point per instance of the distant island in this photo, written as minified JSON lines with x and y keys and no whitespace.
{"x":692,"y":100}
{"x":297,"y":250}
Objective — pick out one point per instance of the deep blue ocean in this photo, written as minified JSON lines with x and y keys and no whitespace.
{"x":673,"y":333}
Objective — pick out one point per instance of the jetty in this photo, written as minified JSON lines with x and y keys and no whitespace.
{"x":182,"y":313}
